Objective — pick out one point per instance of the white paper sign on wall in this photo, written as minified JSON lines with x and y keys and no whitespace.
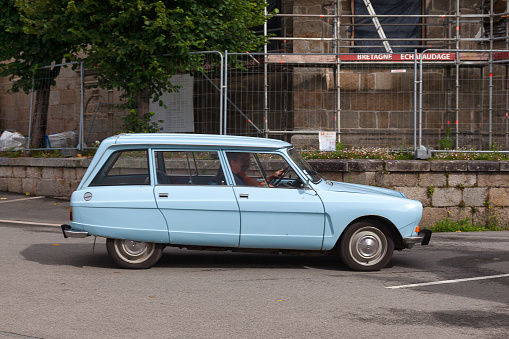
{"x":327,"y":141}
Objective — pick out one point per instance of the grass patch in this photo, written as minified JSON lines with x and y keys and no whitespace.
{"x":466,"y":225}
{"x":341,"y":152}
{"x":360,"y":153}
{"x":495,"y":156}
{"x":44,"y":154}
{"x":33,"y":154}
{"x":383,"y":153}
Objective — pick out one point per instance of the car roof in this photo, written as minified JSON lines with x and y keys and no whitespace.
{"x":197,"y":140}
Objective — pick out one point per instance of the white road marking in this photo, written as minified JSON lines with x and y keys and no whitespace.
{"x":23,"y":199}
{"x":450,"y":281}
{"x":29,"y":223}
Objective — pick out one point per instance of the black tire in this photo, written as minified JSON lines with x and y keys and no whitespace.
{"x":134,"y":254}
{"x":366,"y":246}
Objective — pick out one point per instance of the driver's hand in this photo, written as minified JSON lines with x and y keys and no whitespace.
{"x":279,"y":173}
{"x":276,"y":175}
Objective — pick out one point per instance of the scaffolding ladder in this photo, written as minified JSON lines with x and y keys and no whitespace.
{"x":378,"y":27}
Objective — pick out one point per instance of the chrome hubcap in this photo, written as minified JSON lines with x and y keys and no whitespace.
{"x":134,"y":251}
{"x":134,"y":247}
{"x":368,"y":246}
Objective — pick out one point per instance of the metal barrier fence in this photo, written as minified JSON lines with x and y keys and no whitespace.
{"x":56,"y":112}
{"x":448,"y":100}
{"x":45,"y":113}
{"x":464,"y":105}
{"x":104,"y":121}
{"x":295,"y":96}
{"x":208,"y":98}
{"x":14,"y":109}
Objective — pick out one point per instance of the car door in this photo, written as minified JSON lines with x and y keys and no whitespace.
{"x":119,"y":201}
{"x":191,"y":192}
{"x":286,"y":216}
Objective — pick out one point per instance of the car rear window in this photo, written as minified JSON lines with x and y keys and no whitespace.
{"x":128,"y":167}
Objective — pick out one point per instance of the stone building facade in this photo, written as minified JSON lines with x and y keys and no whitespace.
{"x":374,"y":101}
{"x":367,"y":103}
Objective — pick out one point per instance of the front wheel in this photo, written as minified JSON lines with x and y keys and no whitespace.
{"x":366,"y":246}
{"x":134,"y":254}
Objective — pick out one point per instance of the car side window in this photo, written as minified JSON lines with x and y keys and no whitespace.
{"x":188,"y":168}
{"x":262,"y":170}
{"x":128,"y":167}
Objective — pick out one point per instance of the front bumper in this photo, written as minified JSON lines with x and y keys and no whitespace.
{"x":70,"y":233}
{"x":423,"y":238}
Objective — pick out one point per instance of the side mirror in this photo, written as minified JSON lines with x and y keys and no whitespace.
{"x":304,"y":185}
{"x":307,"y":186}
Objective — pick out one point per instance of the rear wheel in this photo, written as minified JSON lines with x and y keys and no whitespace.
{"x":134,"y":254}
{"x":366,"y":246}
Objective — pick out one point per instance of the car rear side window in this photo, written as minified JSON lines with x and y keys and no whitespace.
{"x":188,"y":168}
{"x":128,"y":167}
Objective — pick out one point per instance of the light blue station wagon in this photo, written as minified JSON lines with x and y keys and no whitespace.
{"x":147,"y":191}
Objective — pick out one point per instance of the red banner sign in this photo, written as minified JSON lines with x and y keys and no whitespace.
{"x":399,"y":57}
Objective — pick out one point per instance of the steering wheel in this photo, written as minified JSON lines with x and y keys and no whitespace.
{"x":277,"y":181}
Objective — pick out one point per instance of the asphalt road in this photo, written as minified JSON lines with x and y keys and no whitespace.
{"x":51,"y":287}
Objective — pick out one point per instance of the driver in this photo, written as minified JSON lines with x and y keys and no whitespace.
{"x":239,"y":164}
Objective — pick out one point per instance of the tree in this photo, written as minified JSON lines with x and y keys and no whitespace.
{"x":137,"y":45}
{"x":22,"y":55}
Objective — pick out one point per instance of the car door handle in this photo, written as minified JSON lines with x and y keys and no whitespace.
{"x":244,"y":195}
{"x":163,"y":195}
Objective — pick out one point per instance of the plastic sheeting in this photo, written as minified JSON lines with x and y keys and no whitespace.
{"x":388,"y":7}
{"x":61,"y":140}
{"x":11,"y":141}
{"x":273,"y":25}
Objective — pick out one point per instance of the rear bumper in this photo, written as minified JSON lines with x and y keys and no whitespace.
{"x":70,"y":233}
{"x":423,"y":238}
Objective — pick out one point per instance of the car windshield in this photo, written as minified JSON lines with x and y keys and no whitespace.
{"x":311,"y":174}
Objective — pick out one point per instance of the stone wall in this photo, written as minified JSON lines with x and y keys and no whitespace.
{"x":478,"y":190}
{"x":55,"y":177}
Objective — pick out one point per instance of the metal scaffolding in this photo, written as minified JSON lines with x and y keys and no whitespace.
{"x":448,"y":90}
{"x":481,"y":52}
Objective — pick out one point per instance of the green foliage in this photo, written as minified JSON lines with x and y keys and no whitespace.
{"x":25,"y":52}
{"x":495,"y":156}
{"x":136,"y":46}
{"x":45,"y":154}
{"x":339,"y":146}
{"x":495,"y":147}
{"x":358,"y":153}
{"x":33,"y":154}
{"x":391,"y":154}
{"x":465,"y":225}
{"x":133,"y":123}
{"x":446,"y":143}
{"x":431,"y":191}
{"x":11,"y":154}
